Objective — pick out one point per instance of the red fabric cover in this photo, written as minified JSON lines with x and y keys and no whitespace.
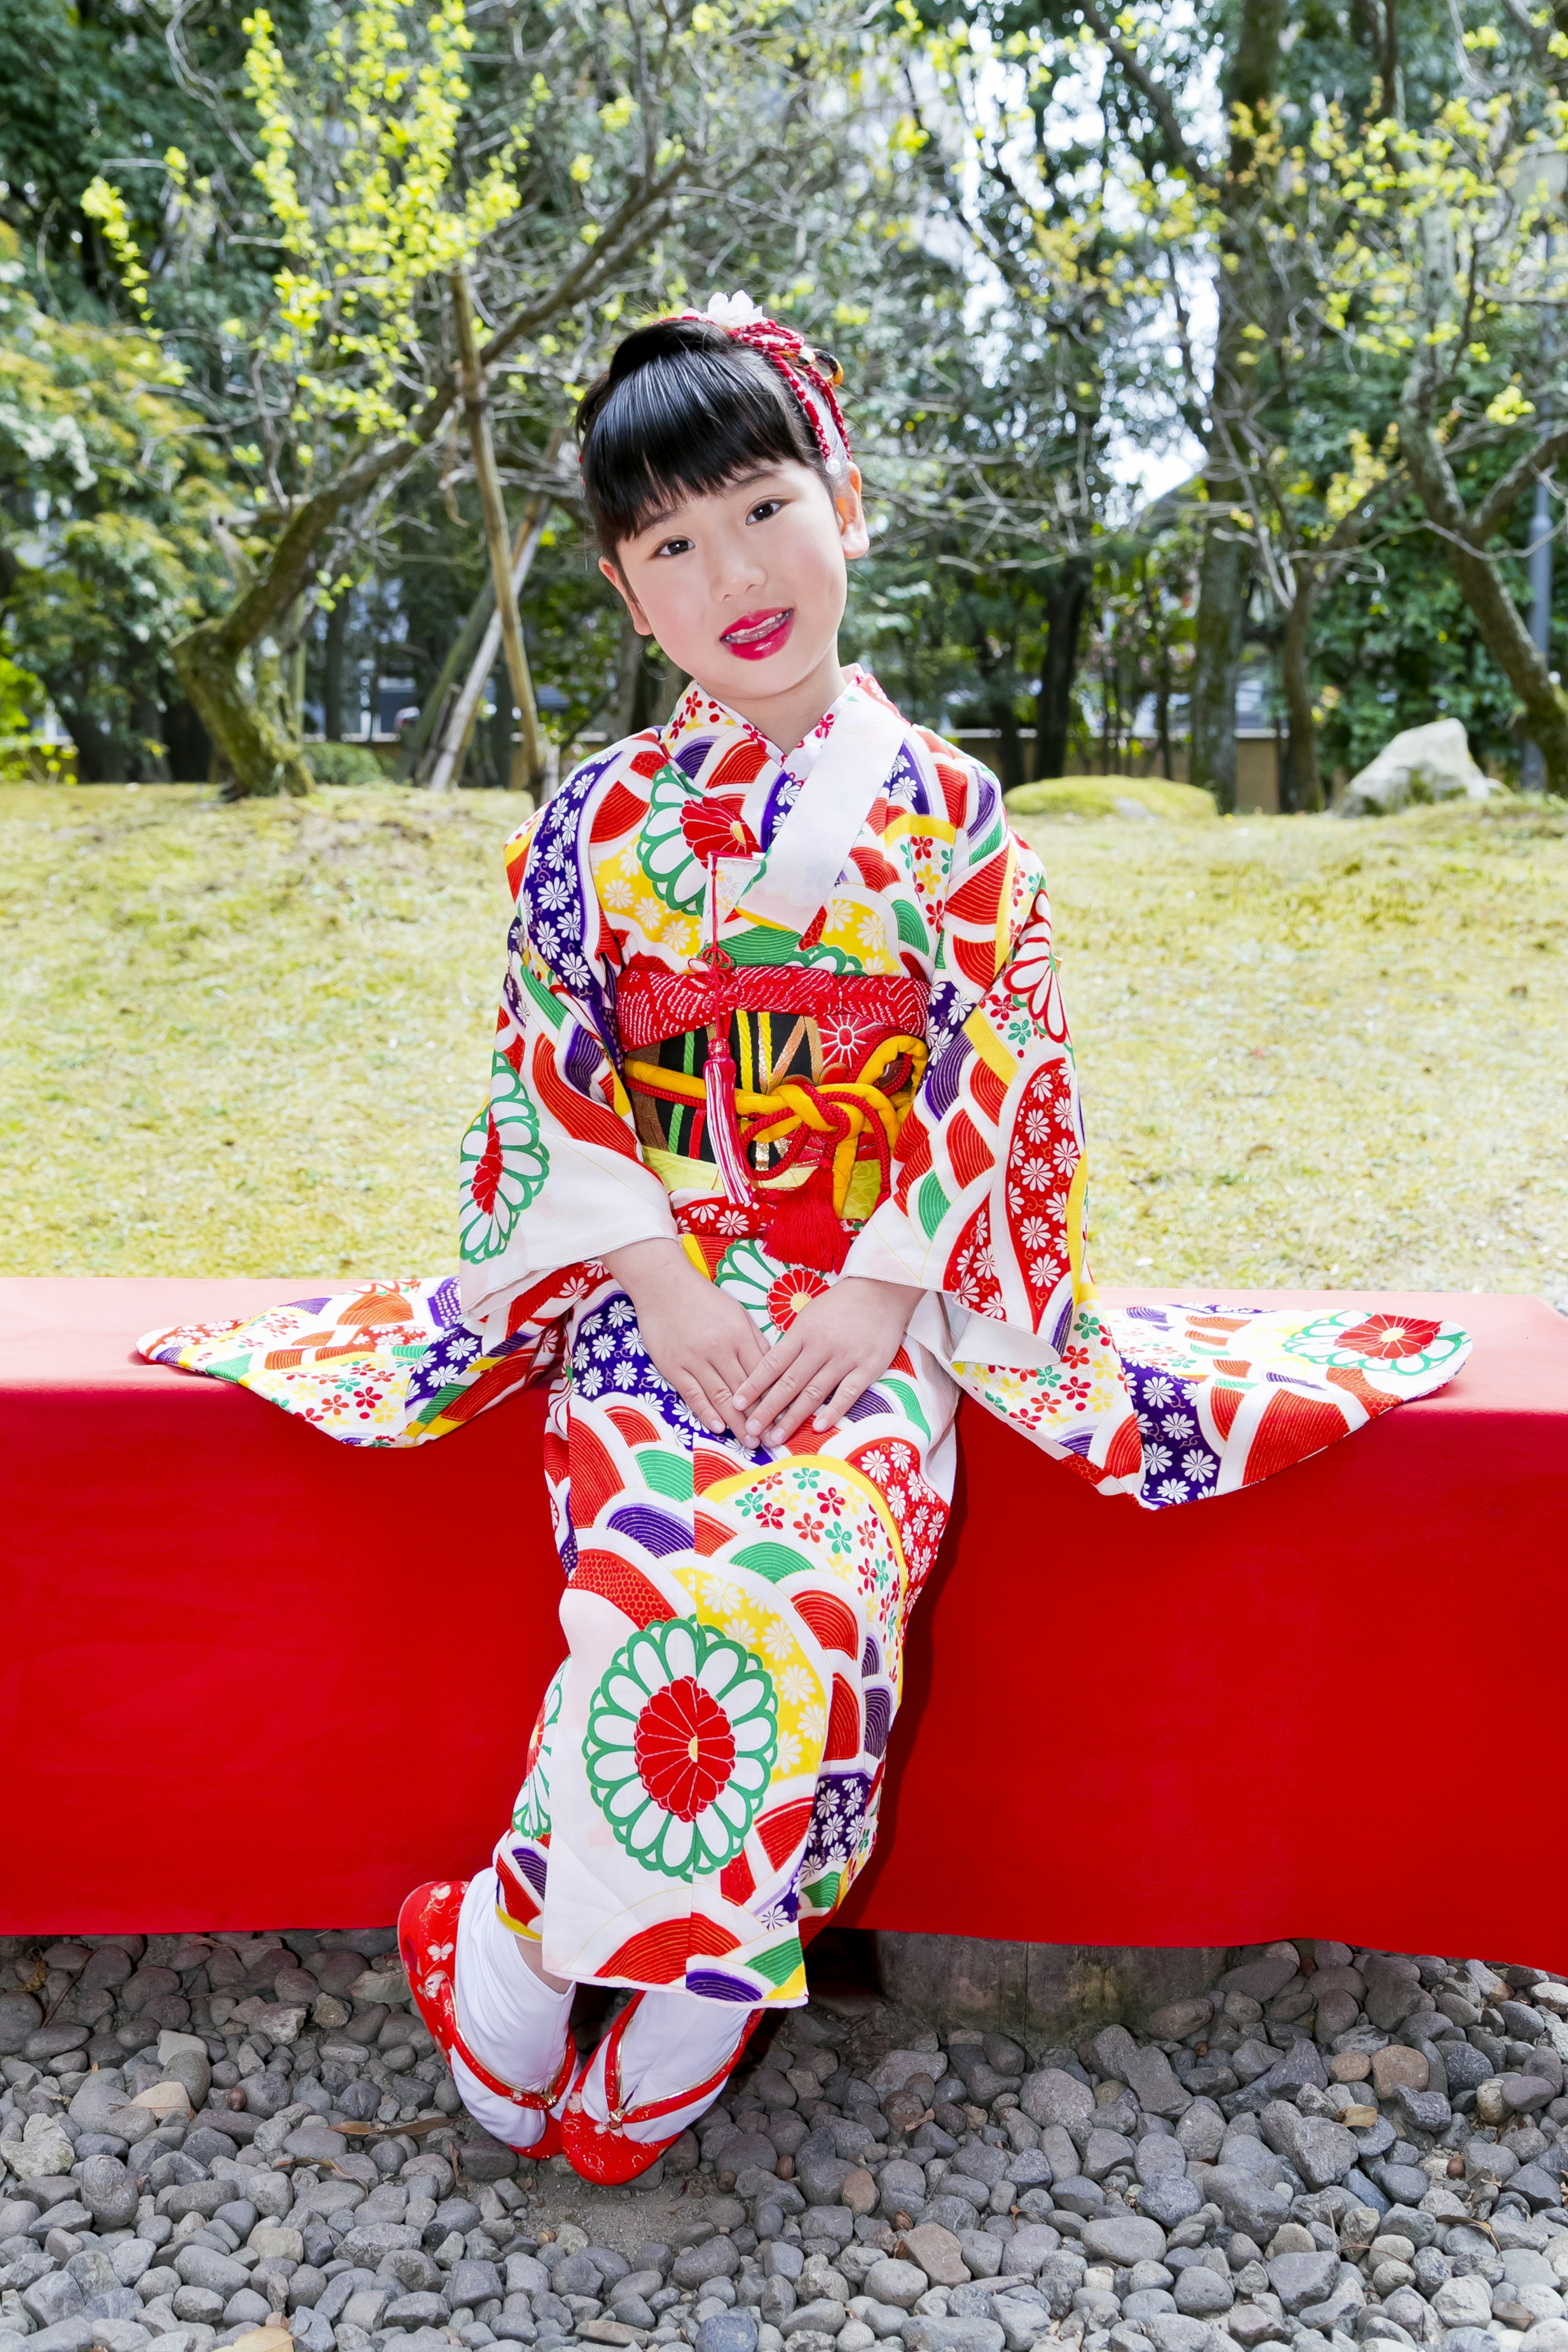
{"x":250,"y":1679}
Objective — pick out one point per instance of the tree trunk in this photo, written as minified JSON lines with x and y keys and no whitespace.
{"x":1502,"y":628}
{"x":449,"y":741}
{"x":628,"y":677}
{"x":1010,"y":756}
{"x":1066,"y":596}
{"x":528,"y":773}
{"x":333,"y":670}
{"x":1223,"y":577}
{"x":254,"y":755}
{"x":1225,"y":573}
{"x":216,"y":664}
{"x":1300,"y":781}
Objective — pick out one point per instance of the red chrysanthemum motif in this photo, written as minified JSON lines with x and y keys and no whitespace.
{"x":685,"y":1747}
{"x":486,"y":1173}
{"x":1390,"y":1336}
{"x":791,"y":1293}
{"x":714,"y":827}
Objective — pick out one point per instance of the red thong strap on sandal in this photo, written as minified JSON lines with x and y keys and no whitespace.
{"x":428,"y":1946}
{"x":601,"y":2151}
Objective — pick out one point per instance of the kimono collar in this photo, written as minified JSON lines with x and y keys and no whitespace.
{"x":805,"y":811}
{"x":710,"y":741}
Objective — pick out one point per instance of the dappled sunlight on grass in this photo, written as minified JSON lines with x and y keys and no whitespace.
{"x":1316,"y":1052}
{"x":246,"y":1039}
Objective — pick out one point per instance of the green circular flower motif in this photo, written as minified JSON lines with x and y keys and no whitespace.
{"x":682,"y":1734}
{"x":1407,"y":1346}
{"x":663,"y":851}
{"x":530,"y":1818}
{"x":504,"y":1164}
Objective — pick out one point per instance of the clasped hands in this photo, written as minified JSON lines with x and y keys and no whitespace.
{"x":706,"y":1347}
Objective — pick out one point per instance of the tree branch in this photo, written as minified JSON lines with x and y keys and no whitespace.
{"x":1159,"y":98}
{"x":1505,"y":492}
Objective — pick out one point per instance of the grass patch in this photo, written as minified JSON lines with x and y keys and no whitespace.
{"x":1072,"y":798}
{"x":246,"y":1039}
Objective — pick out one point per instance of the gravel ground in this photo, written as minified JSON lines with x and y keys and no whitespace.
{"x":207,"y":2136}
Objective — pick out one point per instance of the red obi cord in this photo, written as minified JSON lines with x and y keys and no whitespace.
{"x":652,"y":1003}
{"x":871,"y":1026}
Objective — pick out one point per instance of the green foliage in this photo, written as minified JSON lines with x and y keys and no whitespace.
{"x":344,"y":763}
{"x":111,"y":508}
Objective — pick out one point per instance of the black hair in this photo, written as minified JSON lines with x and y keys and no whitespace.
{"x":681,"y":411}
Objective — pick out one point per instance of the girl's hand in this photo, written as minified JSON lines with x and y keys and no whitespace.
{"x":703,"y":1343}
{"x":829,"y":1357}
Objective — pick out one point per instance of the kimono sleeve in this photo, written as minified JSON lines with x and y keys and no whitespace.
{"x":987,"y":1210}
{"x":552,"y":1173}
{"x":987,"y":1217}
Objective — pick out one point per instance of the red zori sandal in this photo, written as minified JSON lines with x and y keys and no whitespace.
{"x":601,"y":2151}
{"x":428,"y":1946}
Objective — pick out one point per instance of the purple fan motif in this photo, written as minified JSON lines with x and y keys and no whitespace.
{"x":1178,"y":1460}
{"x":836,"y":1821}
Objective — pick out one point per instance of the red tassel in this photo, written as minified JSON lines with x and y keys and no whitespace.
{"x":724,"y":1129}
{"x":803,"y":1229}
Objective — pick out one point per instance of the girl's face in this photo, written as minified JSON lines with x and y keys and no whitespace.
{"x":744,"y":588}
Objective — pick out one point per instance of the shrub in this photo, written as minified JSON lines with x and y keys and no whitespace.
{"x":344,"y":763}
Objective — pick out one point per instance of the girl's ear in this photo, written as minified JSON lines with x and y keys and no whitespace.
{"x":640,"y":621}
{"x":854,"y":536}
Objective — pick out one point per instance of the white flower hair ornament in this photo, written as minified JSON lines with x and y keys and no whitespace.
{"x":812,"y":376}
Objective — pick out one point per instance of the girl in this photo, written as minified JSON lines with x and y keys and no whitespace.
{"x":783,"y":1150}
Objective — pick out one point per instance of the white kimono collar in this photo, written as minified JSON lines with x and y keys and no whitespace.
{"x":841,"y":766}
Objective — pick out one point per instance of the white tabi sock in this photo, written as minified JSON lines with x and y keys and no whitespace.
{"x":510,"y":2019}
{"x":675,"y":2039}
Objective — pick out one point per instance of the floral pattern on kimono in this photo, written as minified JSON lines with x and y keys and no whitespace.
{"x":704,"y":1779}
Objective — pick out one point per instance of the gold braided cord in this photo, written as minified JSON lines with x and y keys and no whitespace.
{"x":791,"y":1105}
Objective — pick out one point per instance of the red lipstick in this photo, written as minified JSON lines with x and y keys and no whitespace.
{"x":757,"y":634}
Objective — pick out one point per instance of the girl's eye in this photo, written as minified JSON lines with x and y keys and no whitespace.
{"x":764,"y":508}
{"x":673,"y":547}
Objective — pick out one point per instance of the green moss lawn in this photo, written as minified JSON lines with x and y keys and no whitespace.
{"x":246,"y":1039}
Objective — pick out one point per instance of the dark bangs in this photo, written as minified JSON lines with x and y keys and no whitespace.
{"x":680,"y":411}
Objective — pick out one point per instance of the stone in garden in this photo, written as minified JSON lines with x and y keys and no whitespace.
{"x":695,"y":2265}
{"x":1424,"y":2111}
{"x":42,"y":2151}
{"x":1171,"y":2332}
{"x":1250,"y":2324}
{"x":109,"y":2192}
{"x":1396,"y":2066}
{"x":1179,"y":2018}
{"x":1418,"y":764}
{"x":1053,"y":2097}
{"x":1322,"y":2152}
{"x":729,"y":2331}
{"x":1300,"y":2279}
{"x":1170,"y":2199}
{"x":1463,"y":2303}
{"x":1158,"y":2156}
{"x":1467,"y":2068}
{"x":1200,"y":2134}
{"x":1261,"y":1980}
{"x":1123,"y":2239}
{"x":859,"y":2190}
{"x":937,"y":2335}
{"x":936,"y":2252}
{"x":1153,"y":2084}
{"x":20,"y":2017}
{"x":895,"y":2281}
{"x":1103,"y":2151}
{"x":1201,"y":2293}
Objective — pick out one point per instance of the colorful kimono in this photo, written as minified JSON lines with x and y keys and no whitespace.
{"x":801,"y":1017}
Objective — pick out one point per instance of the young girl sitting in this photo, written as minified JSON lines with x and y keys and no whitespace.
{"x":783,"y":1150}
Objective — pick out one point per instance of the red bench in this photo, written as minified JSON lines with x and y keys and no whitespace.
{"x":228,"y":1652}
